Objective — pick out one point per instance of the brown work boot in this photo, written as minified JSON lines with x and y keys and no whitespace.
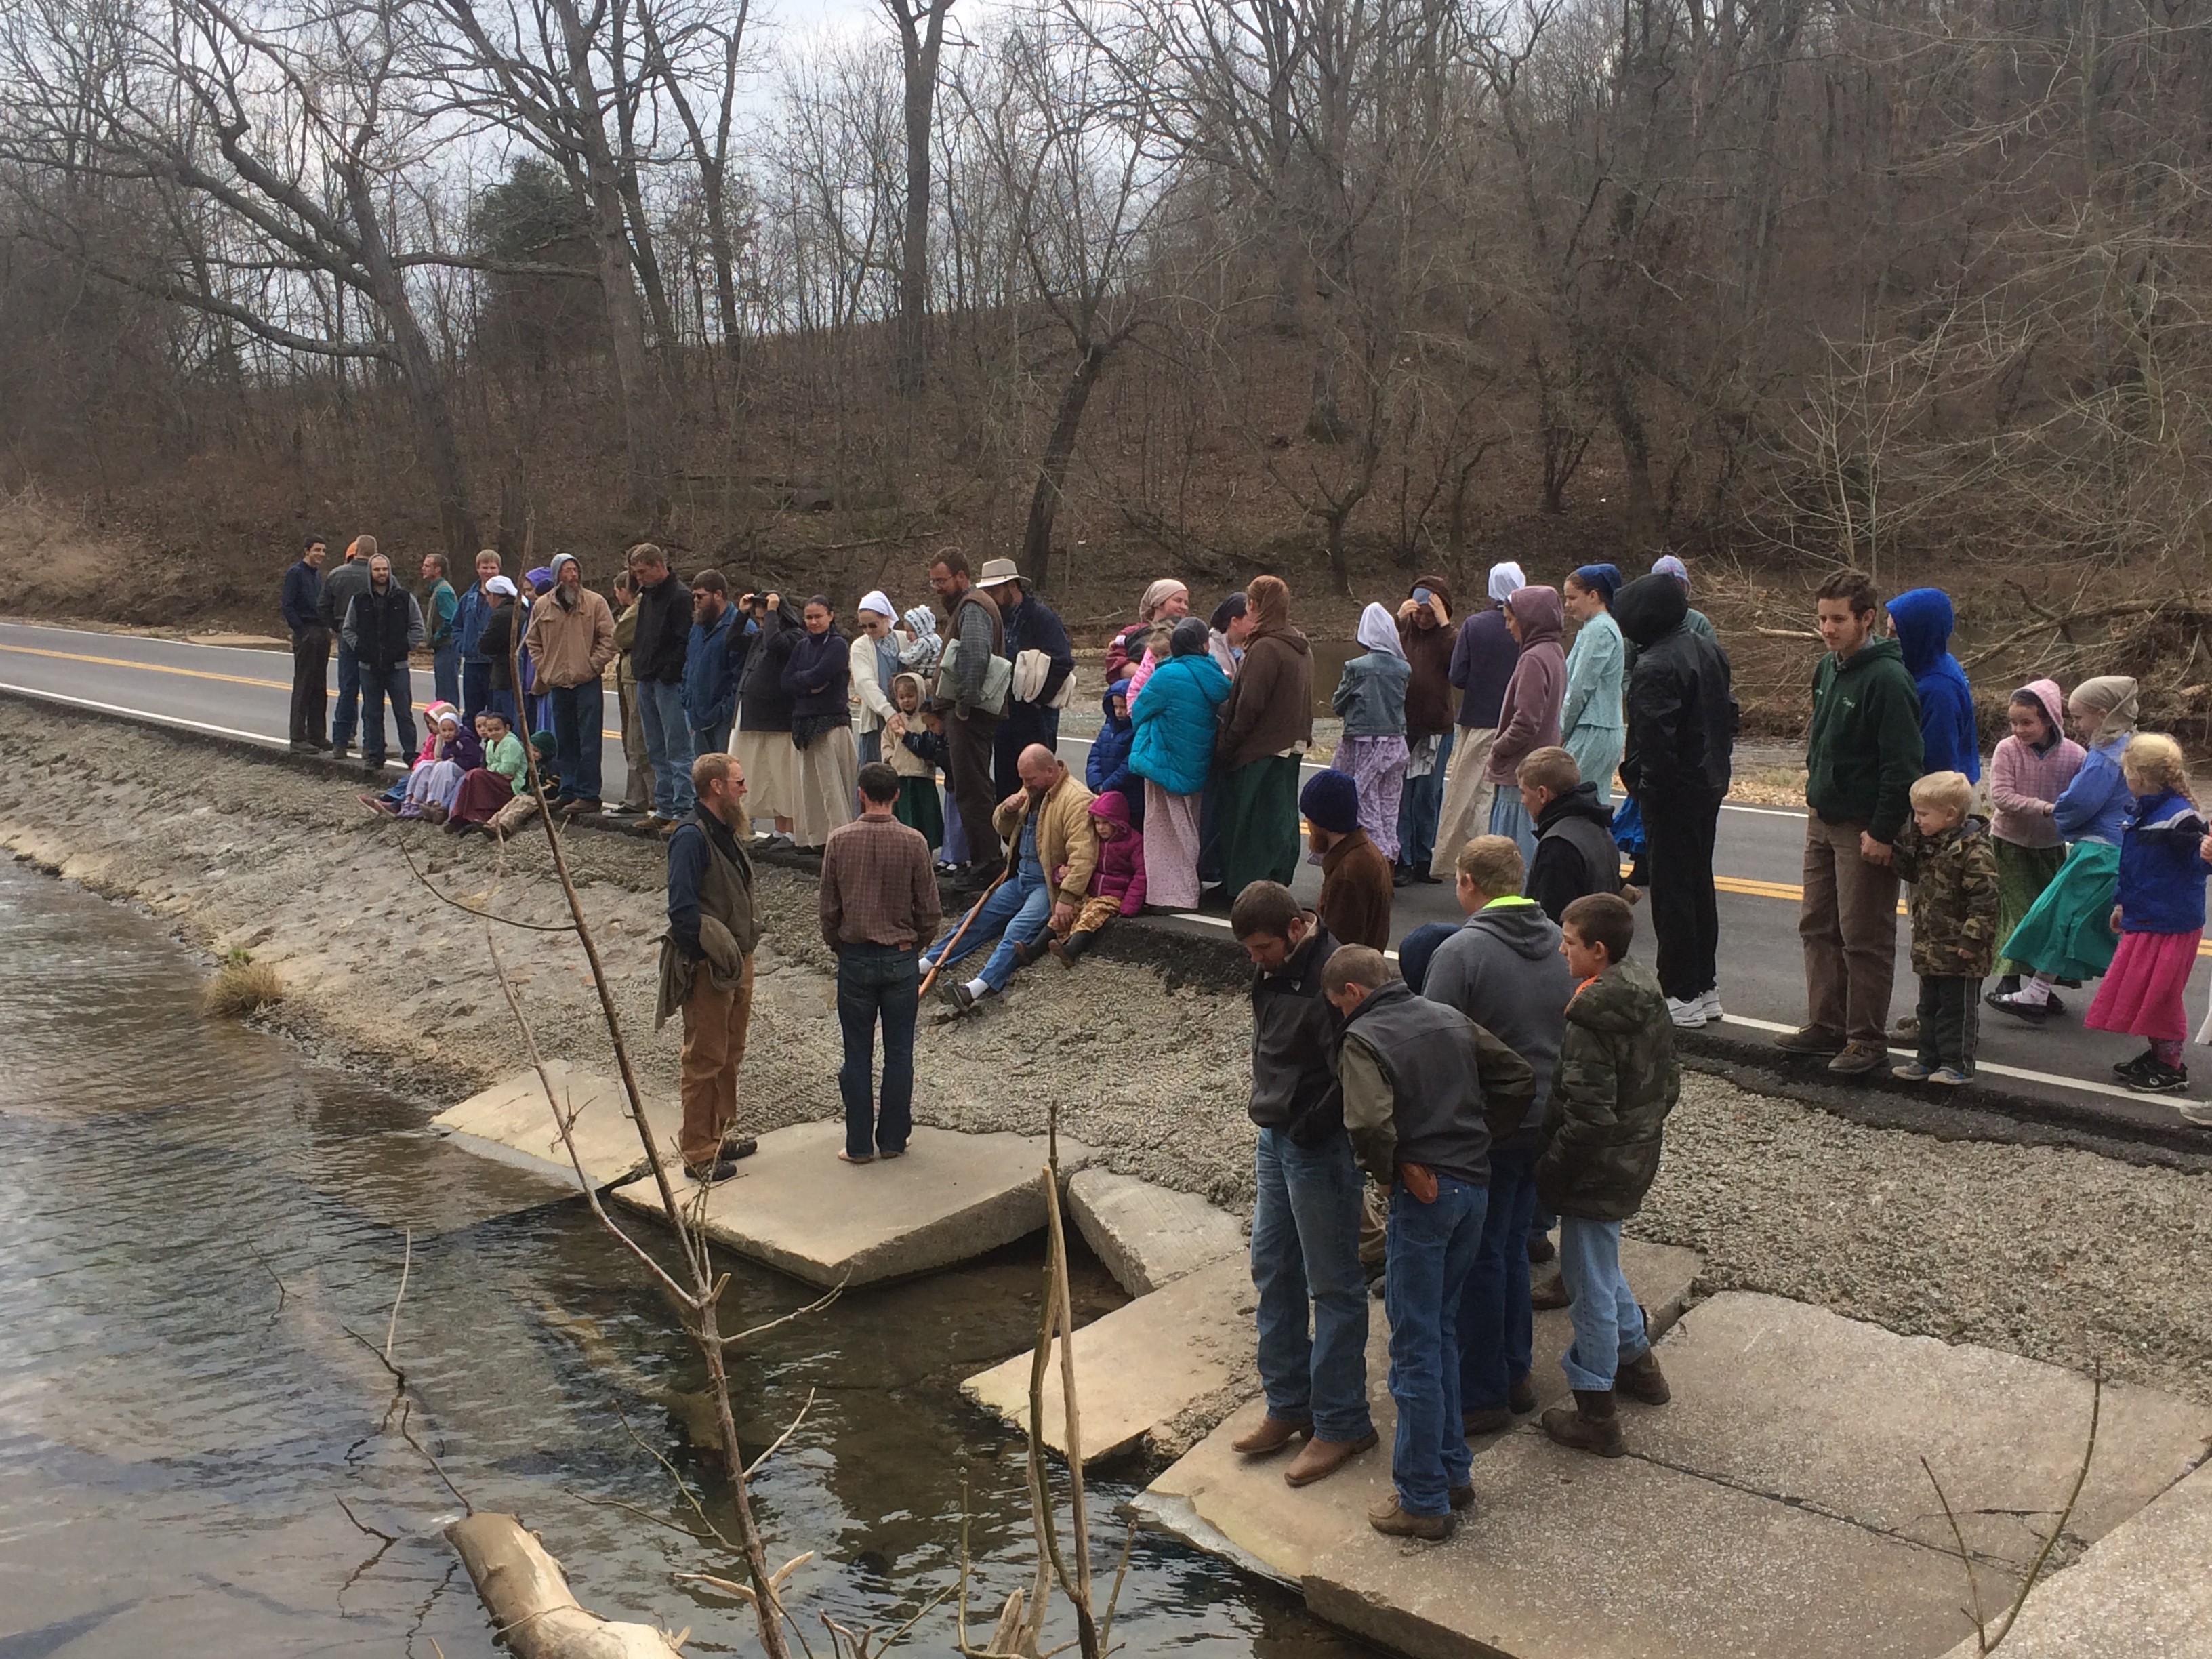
{"x":1387,"y":1518}
{"x":1548,"y":1292}
{"x":1462,"y":1497}
{"x":1587,"y":1425}
{"x":1642,"y":1380}
{"x":1811,"y":1039}
{"x":1317,"y":1460}
{"x":1271,"y":1436}
{"x":1489,"y":1421}
{"x":1858,"y":1059}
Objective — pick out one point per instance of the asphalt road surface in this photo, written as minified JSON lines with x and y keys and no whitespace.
{"x":244,"y":693}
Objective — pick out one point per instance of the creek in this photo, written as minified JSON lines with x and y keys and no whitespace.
{"x":201,"y":1235}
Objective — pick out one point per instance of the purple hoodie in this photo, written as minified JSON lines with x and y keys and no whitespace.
{"x":1529,"y":718}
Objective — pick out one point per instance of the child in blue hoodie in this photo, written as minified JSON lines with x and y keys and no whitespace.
{"x":1948,"y":740}
{"x":2158,"y":915}
{"x":1107,"y":769}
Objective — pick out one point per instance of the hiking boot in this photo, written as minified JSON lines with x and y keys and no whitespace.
{"x":1549,"y":1292}
{"x":2160,"y":1078}
{"x":1587,"y":1425}
{"x":1025,"y":954}
{"x":2034,"y":1013}
{"x":581,"y":808}
{"x":1492,"y":1420}
{"x":1273,"y":1434}
{"x":709,"y":1175}
{"x":1522,"y":1399}
{"x":1318,"y":1458}
{"x":1912,"y":1072}
{"x":341,"y":752}
{"x":1387,"y":1518}
{"x":1461,"y":1498}
{"x":1642,"y":1380}
{"x":736,"y":1147}
{"x":959,"y":996}
{"x":1812,"y":1041}
{"x":1541,"y":1249}
{"x":1858,"y":1059}
{"x":1688,"y":1016}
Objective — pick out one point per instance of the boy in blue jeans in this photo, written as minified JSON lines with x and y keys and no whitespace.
{"x":1617,"y":1080}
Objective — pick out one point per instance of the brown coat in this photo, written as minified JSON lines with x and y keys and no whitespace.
{"x":1270,"y":706}
{"x":1067,"y":842}
{"x":570,"y":647}
{"x":1355,"y":892}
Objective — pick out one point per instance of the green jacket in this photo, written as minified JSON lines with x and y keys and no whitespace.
{"x":1954,"y":899}
{"x":1616,"y":1081}
{"x":1862,"y":749}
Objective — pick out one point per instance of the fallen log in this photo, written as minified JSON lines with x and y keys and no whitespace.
{"x":531,"y":1608}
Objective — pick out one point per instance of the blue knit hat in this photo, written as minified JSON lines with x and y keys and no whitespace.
{"x":1331,"y":802}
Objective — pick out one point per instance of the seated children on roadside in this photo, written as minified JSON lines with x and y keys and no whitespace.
{"x":504,"y":772}
{"x":520,"y":811}
{"x":2029,"y":771}
{"x":434,"y":781}
{"x":915,"y":750}
{"x":2158,"y":915}
{"x":1945,"y":853}
{"x":1117,"y":885}
{"x":389,"y":801}
{"x":1576,"y":852}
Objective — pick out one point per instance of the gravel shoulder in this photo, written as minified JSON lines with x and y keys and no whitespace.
{"x":2055,"y":1253}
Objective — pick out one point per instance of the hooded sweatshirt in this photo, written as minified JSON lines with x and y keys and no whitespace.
{"x":1681,"y":707}
{"x":1370,"y":693}
{"x":1863,"y":748}
{"x":1529,"y":718}
{"x":1948,"y":741}
{"x":1270,"y":706}
{"x":1107,"y":769}
{"x":2027,"y":778}
{"x":1427,"y":646}
{"x":1121,"y":871}
{"x":1574,"y":851}
{"x":1503,"y":969}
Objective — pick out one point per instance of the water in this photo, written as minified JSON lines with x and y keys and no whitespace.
{"x":200,"y":1452}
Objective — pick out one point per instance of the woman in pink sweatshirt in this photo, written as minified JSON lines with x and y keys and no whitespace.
{"x":1528,"y":718}
{"x":2026,"y":774}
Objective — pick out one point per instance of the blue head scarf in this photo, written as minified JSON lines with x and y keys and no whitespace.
{"x":1603,"y":579}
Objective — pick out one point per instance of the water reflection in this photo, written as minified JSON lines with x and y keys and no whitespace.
{"x":200,"y":1240}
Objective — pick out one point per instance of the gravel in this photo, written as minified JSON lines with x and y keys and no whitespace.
{"x":2055,"y":1253}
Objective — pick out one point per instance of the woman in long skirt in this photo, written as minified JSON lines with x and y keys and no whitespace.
{"x":825,"y":771}
{"x":1172,"y":750}
{"x":1370,"y":696}
{"x":1593,"y":726}
{"x":761,"y":742}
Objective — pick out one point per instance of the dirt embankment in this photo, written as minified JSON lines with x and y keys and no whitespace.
{"x":2054,"y":1252}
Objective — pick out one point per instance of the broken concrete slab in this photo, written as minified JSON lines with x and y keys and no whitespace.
{"x":513,"y":1121}
{"x":1233,"y":1506}
{"x":1149,"y":1235}
{"x":1567,"y":1556}
{"x":951,"y":1196}
{"x":2141,"y":1590}
{"x":1833,"y":1414}
{"x":1140,"y":1367}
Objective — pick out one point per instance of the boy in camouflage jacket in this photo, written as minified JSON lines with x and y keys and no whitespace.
{"x":1946,"y":856}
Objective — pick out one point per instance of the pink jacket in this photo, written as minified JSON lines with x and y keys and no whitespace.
{"x":1529,"y":717}
{"x":2023,"y":784}
{"x":1121,"y":872}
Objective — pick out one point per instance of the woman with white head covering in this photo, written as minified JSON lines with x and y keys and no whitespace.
{"x":1370,"y":696}
{"x":1167,"y":601}
{"x":874,"y":664}
{"x":1483,"y":659}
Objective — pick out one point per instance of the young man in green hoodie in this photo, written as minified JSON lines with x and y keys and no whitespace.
{"x":1863,"y":754}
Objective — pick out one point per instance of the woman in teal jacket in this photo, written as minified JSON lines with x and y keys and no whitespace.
{"x":1591,"y":726}
{"x":1175,"y":718}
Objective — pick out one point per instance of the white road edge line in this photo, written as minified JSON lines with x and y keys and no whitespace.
{"x":259,"y":739}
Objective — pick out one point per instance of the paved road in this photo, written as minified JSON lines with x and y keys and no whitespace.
{"x":243,"y":693}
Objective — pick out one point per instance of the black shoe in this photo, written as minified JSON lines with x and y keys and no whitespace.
{"x":709,"y":1175}
{"x":341,"y":752}
{"x":2053,"y":1006}
{"x":1402,"y":876}
{"x":2034,"y":1013}
{"x":300,"y":746}
{"x":736,"y":1146}
{"x":2005,"y":987}
{"x":2127,"y":1070}
{"x":1540,"y":1249}
{"x":960,"y":997}
{"x":1427,"y":879}
{"x":2160,"y":1078}
{"x":1522,"y":1399}
{"x":372,"y":765}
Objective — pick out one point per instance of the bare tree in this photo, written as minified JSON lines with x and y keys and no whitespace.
{"x":921,"y":25}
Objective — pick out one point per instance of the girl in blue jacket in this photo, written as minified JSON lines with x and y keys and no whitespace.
{"x":1370,"y":696}
{"x":1172,"y":752}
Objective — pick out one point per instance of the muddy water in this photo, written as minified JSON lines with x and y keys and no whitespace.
{"x":201,"y":1239}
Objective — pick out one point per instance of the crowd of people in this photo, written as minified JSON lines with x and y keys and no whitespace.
{"x":1425,"y":1126}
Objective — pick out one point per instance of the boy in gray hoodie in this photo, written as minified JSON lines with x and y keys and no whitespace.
{"x":1503,"y":971}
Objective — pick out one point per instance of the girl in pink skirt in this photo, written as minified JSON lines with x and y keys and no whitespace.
{"x":2160,"y":916}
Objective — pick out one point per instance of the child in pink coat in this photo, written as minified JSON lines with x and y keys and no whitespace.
{"x":1117,"y":887}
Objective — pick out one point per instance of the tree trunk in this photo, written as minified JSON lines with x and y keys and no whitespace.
{"x":523,"y":1590}
{"x":1059,"y":449}
{"x":922,"y":36}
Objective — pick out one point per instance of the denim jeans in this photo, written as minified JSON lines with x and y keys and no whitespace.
{"x":1431,"y":1247}
{"x":1497,"y":1331}
{"x":1419,"y":808}
{"x":346,"y":717}
{"x":1015,"y":914}
{"x":446,"y":673}
{"x":1608,"y":1325}
{"x":711,"y":740}
{"x":376,"y":686}
{"x":668,"y":742}
{"x":877,"y":982}
{"x":475,"y":689}
{"x":1305,"y":1264}
{"x":576,"y":711}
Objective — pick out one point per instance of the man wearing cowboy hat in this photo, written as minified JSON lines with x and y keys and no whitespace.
{"x":1032,"y":629}
{"x":980,"y":633}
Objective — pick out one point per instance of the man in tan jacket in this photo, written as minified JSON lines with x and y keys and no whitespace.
{"x":572,"y":639}
{"x":1052,"y":848}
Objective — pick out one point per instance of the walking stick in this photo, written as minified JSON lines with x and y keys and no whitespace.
{"x":973,"y":911}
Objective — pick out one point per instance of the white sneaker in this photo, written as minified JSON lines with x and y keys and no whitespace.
{"x":1686,"y":1015}
{"x":1710,"y":1002}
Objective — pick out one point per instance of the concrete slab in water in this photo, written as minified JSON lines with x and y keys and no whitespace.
{"x":1233,"y":1506}
{"x":951,"y":1197}
{"x":511,"y":1120}
{"x":1149,"y":1235}
{"x":1141,"y":1366}
{"x":2144,"y":1590}
{"x":1783,"y":1397}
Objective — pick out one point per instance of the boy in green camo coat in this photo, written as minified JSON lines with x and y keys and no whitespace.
{"x":1947,"y":855}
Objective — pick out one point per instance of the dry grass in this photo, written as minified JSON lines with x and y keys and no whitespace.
{"x":241,"y":986}
{"x":1768,"y":786}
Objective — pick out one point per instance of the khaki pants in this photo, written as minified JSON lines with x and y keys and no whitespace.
{"x":1848,"y":926}
{"x":637,"y":790}
{"x":1466,"y":811}
{"x":1095,"y":914}
{"x":715,"y":1024}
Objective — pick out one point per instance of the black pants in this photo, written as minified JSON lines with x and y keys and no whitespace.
{"x":1024,"y":723}
{"x":1679,"y":826}
{"x":311,"y":664}
{"x":1950,"y":1020}
{"x":968,"y":771}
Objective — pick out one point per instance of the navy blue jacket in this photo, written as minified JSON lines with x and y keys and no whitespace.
{"x":1031,"y":626}
{"x":469,"y":620}
{"x":710,"y":677}
{"x":2161,"y":886}
{"x":1109,"y":765}
{"x":303,"y":589}
{"x":1483,"y":659}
